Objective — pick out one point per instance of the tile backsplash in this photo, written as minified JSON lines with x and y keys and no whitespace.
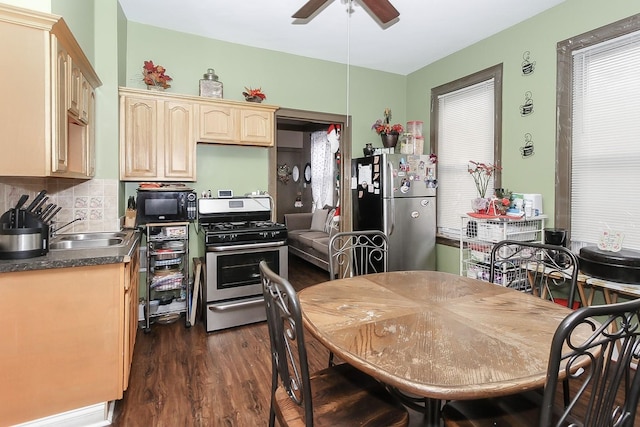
{"x":95,"y":201}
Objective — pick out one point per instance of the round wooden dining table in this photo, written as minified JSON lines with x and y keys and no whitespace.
{"x":435,"y":335}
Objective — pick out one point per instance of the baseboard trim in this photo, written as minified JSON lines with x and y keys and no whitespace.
{"x":97,"y":415}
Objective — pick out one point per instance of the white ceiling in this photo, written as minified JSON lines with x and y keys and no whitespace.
{"x":426,"y":31}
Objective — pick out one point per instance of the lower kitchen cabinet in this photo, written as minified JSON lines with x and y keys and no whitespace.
{"x":131,"y":297}
{"x":67,"y":338}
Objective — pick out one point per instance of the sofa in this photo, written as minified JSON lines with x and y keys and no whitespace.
{"x":309,"y":234}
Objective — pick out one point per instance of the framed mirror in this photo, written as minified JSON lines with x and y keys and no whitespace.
{"x":295,"y":173}
{"x":307,"y":173}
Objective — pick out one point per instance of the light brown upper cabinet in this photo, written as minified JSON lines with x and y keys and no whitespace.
{"x":159,"y":131}
{"x":156,"y":137}
{"x":47,"y":75}
{"x":232,"y":122}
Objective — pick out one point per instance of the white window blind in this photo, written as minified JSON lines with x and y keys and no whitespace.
{"x":465,"y":132}
{"x":605,"y":163}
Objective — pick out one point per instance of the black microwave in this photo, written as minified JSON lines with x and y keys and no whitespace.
{"x":157,"y":205}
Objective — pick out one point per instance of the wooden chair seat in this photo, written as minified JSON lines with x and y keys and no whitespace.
{"x":344,"y":396}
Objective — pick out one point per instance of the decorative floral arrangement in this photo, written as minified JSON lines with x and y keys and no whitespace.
{"x":154,"y":75}
{"x":384,"y":126}
{"x":481,"y":173}
{"x":254,"y":95}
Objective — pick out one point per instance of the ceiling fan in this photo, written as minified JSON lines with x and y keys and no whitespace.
{"x":382,"y":9}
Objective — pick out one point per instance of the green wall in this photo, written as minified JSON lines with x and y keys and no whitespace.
{"x":289,"y":81}
{"x":79,"y":16}
{"x":539,"y":36}
{"x":118,"y":48}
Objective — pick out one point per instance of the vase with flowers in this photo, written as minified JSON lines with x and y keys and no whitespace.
{"x":388,"y":133}
{"x":254,"y":95}
{"x":481,"y":174}
{"x":154,"y":76}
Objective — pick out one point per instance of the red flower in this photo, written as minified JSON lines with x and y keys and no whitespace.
{"x":481,"y":174}
{"x":250,"y":93}
{"x":154,"y":75}
{"x":384,"y":125}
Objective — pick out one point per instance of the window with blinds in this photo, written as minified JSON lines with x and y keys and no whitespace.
{"x":465,"y":132}
{"x":605,"y":151}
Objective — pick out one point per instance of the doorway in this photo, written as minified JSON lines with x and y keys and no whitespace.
{"x":295,"y":126}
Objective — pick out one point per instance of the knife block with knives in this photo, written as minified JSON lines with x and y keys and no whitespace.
{"x":130,"y":213}
{"x":24,"y":232}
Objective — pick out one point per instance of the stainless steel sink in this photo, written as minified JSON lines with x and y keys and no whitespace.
{"x":99,"y":235}
{"x":85,"y":244}
{"x":90,"y":240}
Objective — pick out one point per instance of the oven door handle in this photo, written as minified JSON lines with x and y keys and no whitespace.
{"x":215,"y":248}
{"x":236,"y":305}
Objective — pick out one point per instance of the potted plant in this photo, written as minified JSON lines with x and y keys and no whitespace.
{"x":388,"y":133}
{"x":154,"y":76}
{"x":481,"y":174}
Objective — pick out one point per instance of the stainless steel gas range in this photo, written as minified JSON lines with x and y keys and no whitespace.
{"x":236,"y":234}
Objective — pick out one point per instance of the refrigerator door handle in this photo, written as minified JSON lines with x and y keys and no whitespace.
{"x":392,"y":215}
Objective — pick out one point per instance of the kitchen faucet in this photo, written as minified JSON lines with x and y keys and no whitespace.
{"x":53,"y":232}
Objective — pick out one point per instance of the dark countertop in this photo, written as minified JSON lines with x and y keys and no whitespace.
{"x":63,"y":258}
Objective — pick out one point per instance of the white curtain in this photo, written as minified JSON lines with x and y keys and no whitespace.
{"x":321,"y":170}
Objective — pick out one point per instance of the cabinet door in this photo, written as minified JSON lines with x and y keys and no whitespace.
{"x":217,"y":123}
{"x":179,"y":143}
{"x":60,"y":103}
{"x":139,"y":133}
{"x":131,"y":295}
{"x":256,"y":127}
{"x":75,"y":89}
{"x":85,"y":93}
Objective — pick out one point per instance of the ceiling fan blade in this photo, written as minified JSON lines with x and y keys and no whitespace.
{"x":309,"y":9}
{"x":382,"y":9}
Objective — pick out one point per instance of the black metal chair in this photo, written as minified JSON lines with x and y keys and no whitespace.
{"x":534,"y":267}
{"x":354,"y":253}
{"x":601,"y":369}
{"x":335,"y":396}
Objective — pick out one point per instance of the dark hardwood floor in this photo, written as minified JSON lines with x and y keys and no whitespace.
{"x":186,"y":377}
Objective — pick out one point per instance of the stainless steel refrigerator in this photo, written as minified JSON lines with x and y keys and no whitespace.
{"x":396,"y":193}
